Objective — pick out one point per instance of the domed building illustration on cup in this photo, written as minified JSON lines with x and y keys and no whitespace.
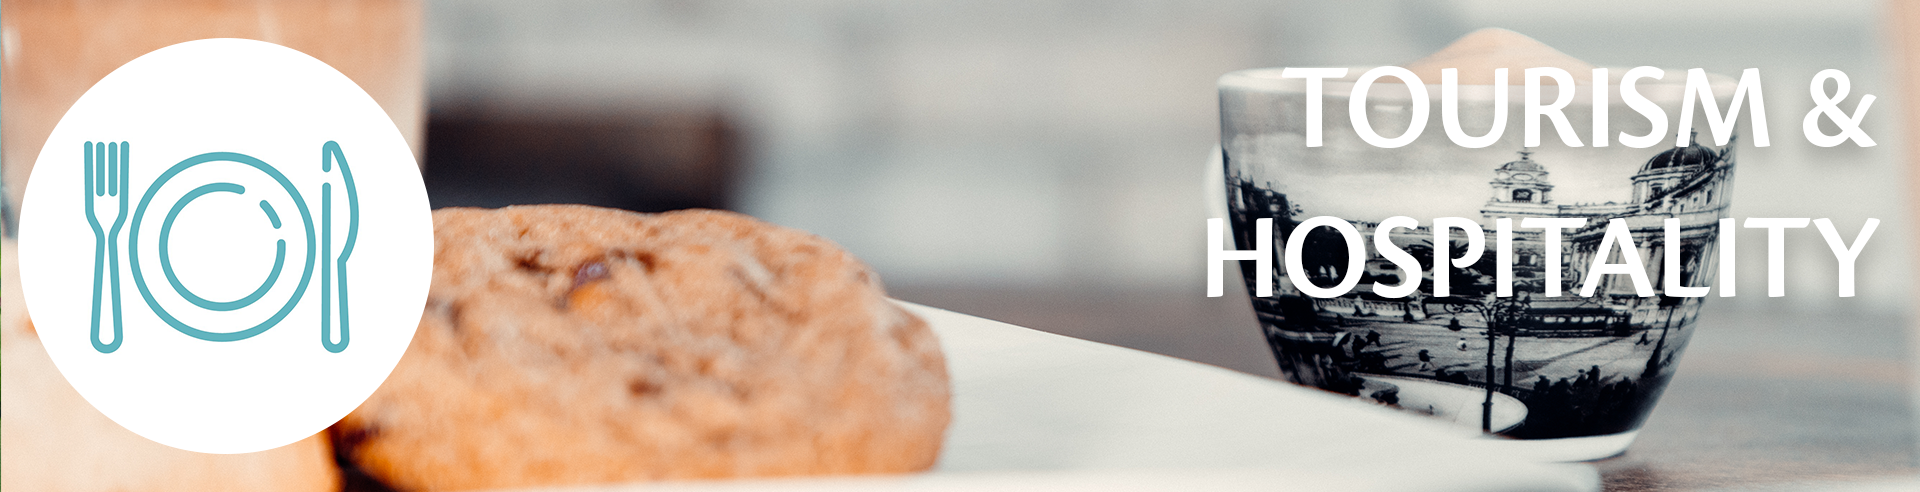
{"x":327,"y":247}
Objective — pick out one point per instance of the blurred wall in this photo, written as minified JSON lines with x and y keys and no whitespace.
{"x":1059,"y":143}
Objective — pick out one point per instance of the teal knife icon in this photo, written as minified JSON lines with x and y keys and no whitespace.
{"x":333,"y":264}
{"x":105,"y":174}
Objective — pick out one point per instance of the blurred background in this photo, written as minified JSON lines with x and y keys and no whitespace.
{"x":1041,"y":162}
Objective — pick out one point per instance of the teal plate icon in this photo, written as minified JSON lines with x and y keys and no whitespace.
{"x":139,"y":277}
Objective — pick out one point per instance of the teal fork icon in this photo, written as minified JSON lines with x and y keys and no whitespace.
{"x":105,"y":175}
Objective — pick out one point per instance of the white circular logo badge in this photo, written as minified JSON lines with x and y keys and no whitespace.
{"x":225,"y":246}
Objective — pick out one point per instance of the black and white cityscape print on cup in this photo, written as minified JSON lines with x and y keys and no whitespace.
{"x":1571,"y":376}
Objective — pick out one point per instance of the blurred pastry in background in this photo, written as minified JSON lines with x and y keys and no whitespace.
{"x":574,"y":344}
{"x":54,"y":50}
{"x":56,"y":442}
{"x":1477,"y":54}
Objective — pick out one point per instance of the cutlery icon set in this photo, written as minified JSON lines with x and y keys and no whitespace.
{"x":107,"y":199}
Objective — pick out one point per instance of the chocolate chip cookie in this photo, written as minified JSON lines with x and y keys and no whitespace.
{"x":574,"y":344}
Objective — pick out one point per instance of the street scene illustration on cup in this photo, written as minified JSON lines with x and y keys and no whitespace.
{"x":1550,"y":367}
{"x":107,"y":188}
{"x":1534,"y":287}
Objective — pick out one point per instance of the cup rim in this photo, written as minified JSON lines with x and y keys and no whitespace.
{"x":1670,"y":87}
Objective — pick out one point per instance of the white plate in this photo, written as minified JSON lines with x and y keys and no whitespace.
{"x":1037,"y":411}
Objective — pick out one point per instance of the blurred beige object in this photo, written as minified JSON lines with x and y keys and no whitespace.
{"x":56,"y":442}
{"x":1478,"y":53}
{"x":1903,"y":27}
{"x":13,"y":308}
{"x":52,"y":51}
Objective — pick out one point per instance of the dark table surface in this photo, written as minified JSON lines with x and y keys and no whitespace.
{"x":1766,"y":397}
